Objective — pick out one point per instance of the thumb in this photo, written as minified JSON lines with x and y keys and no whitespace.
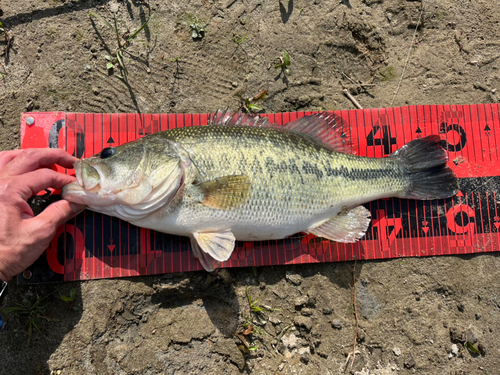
{"x":57,"y":214}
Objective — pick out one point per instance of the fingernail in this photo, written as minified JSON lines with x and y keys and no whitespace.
{"x":77,"y":208}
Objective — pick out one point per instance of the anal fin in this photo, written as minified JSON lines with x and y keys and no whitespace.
{"x":211,"y":248}
{"x":347,"y":228}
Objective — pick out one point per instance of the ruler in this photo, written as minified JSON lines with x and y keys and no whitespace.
{"x":93,"y":245}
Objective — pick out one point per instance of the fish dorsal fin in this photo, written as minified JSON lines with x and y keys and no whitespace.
{"x":219,"y":245}
{"x":347,"y":228}
{"x":208,"y":263}
{"x":229,"y":118}
{"x":226,"y":192}
{"x":326,"y":129}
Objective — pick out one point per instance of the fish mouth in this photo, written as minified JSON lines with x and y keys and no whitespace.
{"x":87,"y":186}
{"x":88,"y":175}
{"x":75,"y":193}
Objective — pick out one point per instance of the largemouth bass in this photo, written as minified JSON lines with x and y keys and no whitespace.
{"x":243,"y":178}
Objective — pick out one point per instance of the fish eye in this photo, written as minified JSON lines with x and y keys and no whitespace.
{"x":107,"y":152}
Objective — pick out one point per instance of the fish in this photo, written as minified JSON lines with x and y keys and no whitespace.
{"x":242,"y":178}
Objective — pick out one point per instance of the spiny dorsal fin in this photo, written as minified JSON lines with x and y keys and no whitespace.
{"x":226,"y":192}
{"x":347,"y":228}
{"x":326,"y":129}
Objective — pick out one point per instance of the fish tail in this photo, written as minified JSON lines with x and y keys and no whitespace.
{"x":424,"y":164}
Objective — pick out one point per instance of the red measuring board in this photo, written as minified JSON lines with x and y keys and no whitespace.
{"x":97,"y":246}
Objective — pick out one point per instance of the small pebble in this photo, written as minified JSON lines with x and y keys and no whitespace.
{"x":290,"y":341}
{"x":307,"y":311}
{"x":303,"y":321}
{"x":304,"y":350}
{"x":293,"y":278}
{"x":337,"y":324}
{"x":396,"y":351}
{"x":301,"y":301}
{"x":305,"y":359}
{"x":454,"y":349}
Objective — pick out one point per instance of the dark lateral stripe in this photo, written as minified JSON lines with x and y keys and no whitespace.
{"x":361,"y":174}
{"x":352,"y":174}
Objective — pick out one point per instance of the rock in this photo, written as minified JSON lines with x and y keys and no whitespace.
{"x":303,"y":321}
{"x":458,"y":335}
{"x":322,"y":353}
{"x":305,"y":359}
{"x":290,"y":341}
{"x":114,"y":7}
{"x":274,"y":320}
{"x":454,"y":349}
{"x":328,"y":311}
{"x":307,"y":311}
{"x":293,"y":278}
{"x":304,"y":350}
{"x":370,"y":307}
{"x":281,"y":348}
{"x":481,"y":349}
{"x":300,"y":302}
{"x":361,"y":336}
{"x":337,"y":324}
{"x":396,"y":351}
{"x":409,"y":363}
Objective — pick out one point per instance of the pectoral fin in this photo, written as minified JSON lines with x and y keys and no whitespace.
{"x":217,"y":246}
{"x":226,"y":192}
{"x":347,"y":228}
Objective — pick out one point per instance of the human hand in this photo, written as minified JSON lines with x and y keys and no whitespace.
{"x":24,"y":237}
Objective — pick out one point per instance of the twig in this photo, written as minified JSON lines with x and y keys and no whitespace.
{"x":355,"y":314}
{"x":349,"y":78}
{"x":361,"y":85}
{"x":408,"y":56}
{"x":354,"y":101}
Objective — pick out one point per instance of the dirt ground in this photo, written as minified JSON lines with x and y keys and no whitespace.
{"x":411,"y":311}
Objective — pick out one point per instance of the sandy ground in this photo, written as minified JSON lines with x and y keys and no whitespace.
{"x":411,"y":311}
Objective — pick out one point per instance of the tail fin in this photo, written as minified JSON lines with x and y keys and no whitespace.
{"x":424,"y":163}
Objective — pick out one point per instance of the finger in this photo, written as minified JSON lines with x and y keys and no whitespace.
{"x":33,"y":182}
{"x":54,"y":216}
{"x":7,"y":156}
{"x":34,"y":158}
